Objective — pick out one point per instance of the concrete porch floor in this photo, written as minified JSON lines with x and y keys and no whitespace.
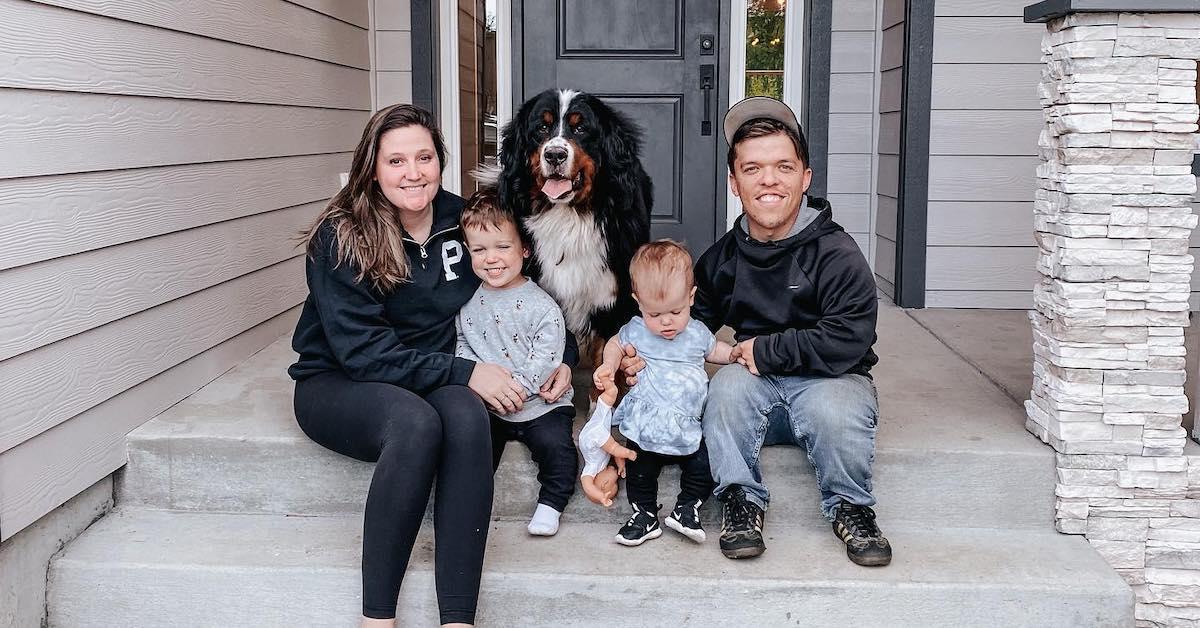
{"x":999,"y":344}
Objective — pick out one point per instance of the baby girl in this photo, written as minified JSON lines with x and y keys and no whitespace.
{"x":660,"y":417}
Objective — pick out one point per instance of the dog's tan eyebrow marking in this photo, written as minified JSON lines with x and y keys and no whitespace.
{"x":573,"y":118}
{"x":547,"y":117}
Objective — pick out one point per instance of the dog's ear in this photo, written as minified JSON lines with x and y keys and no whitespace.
{"x":515,"y":149}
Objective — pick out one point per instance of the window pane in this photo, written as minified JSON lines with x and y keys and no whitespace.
{"x":764,"y":47}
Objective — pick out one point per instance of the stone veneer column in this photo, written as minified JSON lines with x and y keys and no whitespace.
{"x":1113,"y":217}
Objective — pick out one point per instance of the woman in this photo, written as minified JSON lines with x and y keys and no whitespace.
{"x":377,"y":380}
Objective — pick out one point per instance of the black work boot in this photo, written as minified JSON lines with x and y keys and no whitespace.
{"x":741,"y":525}
{"x":865,"y":544}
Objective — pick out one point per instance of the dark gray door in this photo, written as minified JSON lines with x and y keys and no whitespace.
{"x":647,"y":58}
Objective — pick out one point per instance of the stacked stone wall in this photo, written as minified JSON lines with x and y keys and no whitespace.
{"x":1113,"y":218}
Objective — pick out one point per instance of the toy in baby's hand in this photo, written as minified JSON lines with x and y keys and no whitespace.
{"x":597,"y":445}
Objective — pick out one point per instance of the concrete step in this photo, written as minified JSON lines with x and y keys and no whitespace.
{"x":147,"y":567}
{"x":951,"y":450}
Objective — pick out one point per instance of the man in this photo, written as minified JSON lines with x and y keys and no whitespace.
{"x":801,"y":300}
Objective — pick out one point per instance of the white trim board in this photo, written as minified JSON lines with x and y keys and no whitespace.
{"x":448,"y":93}
{"x":737,"y":89}
{"x":504,"y":47}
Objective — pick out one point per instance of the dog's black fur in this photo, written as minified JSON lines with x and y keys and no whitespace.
{"x":599,"y":148}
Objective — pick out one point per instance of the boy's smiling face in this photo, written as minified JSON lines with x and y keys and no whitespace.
{"x":497,"y":254}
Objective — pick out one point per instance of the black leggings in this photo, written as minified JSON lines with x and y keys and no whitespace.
{"x":447,"y":435}
{"x":641,"y":481}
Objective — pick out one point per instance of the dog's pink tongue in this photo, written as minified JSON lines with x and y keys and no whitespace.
{"x":556,"y":188}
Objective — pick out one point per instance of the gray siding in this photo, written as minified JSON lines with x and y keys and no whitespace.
{"x":393,"y":52}
{"x":853,"y":55}
{"x":155,"y":167}
{"x":887,"y":175}
{"x":984,"y":124}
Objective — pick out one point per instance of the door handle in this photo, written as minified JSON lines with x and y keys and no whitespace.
{"x":707,"y":77}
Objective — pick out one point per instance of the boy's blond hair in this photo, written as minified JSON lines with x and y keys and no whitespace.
{"x":483,"y":211}
{"x":657,"y":264}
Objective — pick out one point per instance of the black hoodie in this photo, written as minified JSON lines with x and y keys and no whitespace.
{"x":809,"y":299}
{"x":405,"y":337}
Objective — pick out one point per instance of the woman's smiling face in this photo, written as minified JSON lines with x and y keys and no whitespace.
{"x":407,"y":168}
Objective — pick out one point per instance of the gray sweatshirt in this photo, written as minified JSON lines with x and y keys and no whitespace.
{"x":520,"y":329}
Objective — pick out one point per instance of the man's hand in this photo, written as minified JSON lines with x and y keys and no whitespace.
{"x":631,"y":364}
{"x":743,"y":353}
{"x":557,"y":385}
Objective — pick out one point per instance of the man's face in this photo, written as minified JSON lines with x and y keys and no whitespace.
{"x":770,"y":179}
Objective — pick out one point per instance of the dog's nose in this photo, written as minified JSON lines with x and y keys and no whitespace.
{"x":555,"y":155}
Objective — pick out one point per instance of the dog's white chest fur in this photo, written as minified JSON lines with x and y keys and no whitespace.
{"x":573,"y":256}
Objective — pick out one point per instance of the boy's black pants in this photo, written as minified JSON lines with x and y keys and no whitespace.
{"x":548,"y":438}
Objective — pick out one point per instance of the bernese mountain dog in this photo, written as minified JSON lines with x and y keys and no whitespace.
{"x":571,"y":175}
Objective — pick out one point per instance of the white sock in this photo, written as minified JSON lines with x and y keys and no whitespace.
{"x":544,"y":521}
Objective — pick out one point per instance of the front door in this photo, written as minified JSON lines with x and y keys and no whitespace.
{"x":656,"y":61}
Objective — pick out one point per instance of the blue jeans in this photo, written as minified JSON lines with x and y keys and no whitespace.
{"x":833,"y":418}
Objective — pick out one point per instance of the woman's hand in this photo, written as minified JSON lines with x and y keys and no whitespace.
{"x":496,"y":386}
{"x":558,"y":384}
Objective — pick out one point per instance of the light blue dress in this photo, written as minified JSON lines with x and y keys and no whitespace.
{"x":662,"y":412}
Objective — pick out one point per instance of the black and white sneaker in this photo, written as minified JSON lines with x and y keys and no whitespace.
{"x":741,"y":525}
{"x":685,"y":519}
{"x":865,"y":544}
{"x":641,"y":527}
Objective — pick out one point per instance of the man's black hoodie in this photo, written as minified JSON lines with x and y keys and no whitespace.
{"x":809,"y":299}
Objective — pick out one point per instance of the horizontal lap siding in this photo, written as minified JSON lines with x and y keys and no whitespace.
{"x":851,"y":117}
{"x":985,"y":120}
{"x":393,"y":52}
{"x":45,"y":218}
{"x":156,"y":166}
{"x":266,"y":24}
{"x":57,"y":462}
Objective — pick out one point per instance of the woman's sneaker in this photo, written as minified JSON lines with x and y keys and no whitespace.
{"x":641,"y":527}
{"x":685,"y":519}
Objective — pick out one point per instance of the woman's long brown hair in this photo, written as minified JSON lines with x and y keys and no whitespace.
{"x":366,"y":225}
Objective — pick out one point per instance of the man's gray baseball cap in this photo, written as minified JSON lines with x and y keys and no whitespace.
{"x":759,"y":107}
